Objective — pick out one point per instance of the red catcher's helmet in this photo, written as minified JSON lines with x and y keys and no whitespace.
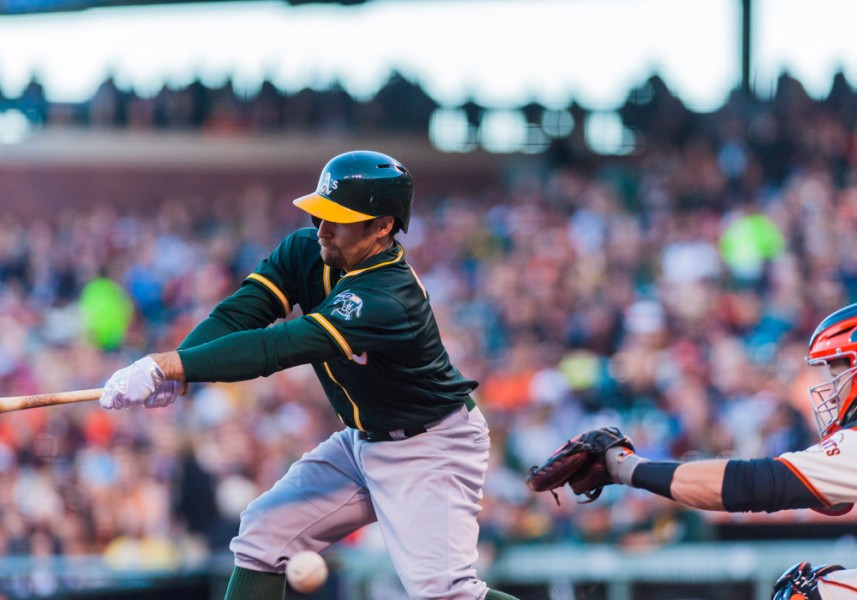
{"x":835,"y":338}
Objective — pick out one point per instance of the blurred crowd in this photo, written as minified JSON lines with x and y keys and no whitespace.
{"x":670,"y":292}
{"x":400,"y":105}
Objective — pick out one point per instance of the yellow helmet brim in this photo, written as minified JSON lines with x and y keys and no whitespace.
{"x":328,"y":210}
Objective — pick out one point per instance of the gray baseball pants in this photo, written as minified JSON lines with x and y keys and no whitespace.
{"x":423,"y":491}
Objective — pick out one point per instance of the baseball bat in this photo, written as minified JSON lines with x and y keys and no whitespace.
{"x":11,"y":403}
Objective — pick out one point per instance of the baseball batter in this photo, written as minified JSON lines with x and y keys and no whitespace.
{"x":822,"y":477}
{"x":414,"y":450}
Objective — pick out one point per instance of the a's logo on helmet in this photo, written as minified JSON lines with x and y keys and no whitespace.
{"x":348,"y":305}
{"x":327,"y":184}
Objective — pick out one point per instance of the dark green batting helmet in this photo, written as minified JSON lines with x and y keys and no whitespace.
{"x":360,"y":186}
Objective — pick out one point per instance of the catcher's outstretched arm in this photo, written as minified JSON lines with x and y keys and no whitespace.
{"x":764,"y":484}
{"x":697,"y":484}
{"x":605,"y":456}
{"x":700,"y":484}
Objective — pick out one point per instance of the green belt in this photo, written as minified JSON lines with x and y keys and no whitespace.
{"x":407,"y":432}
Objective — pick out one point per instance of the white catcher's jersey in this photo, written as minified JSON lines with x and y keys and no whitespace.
{"x":839,"y":585}
{"x":829,"y":468}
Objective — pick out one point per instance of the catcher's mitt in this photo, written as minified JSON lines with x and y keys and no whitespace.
{"x":579,"y":463}
{"x":801,"y":581}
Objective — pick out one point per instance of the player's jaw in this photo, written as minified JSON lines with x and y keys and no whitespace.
{"x":345,"y":245}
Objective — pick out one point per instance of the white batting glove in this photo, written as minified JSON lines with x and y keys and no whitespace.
{"x":140,"y":383}
{"x":164,"y":395}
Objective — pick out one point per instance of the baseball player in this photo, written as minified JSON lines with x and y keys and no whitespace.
{"x":413,"y":453}
{"x":822,"y":477}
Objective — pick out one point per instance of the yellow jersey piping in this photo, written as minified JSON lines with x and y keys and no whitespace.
{"x":399,"y":255}
{"x":419,"y":283}
{"x":273,"y":289}
{"x":326,"y":277}
{"x":357,"y":420}
{"x":334,"y":333}
{"x":339,"y":339}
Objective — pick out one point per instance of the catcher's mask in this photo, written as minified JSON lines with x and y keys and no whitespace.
{"x":360,"y":186}
{"x":835,"y":339}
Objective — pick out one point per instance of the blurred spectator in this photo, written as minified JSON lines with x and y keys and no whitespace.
{"x":32,"y":101}
{"x":671,"y":291}
{"x":107,"y":108}
{"x":106,"y":311}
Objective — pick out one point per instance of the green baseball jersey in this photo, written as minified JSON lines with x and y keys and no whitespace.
{"x":370,"y":334}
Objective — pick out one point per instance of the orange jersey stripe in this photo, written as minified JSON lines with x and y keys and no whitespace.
{"x":806,"y":482}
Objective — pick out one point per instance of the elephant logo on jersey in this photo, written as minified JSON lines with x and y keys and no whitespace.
{"x":348,"y":305}
{"x":326,"y":185}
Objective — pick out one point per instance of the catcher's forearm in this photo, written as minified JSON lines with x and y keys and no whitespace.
{"x":700,"y":484}
{"x":629,"y":468}
{"x":622,"y":462}
{"x":657,"y":477}
{"x":696,"y":484}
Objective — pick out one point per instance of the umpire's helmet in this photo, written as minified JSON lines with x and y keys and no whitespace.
{"x":834,"y":402}
{"x":359,"y":186}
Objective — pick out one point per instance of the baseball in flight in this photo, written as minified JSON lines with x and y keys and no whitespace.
{"x":306,"y":571}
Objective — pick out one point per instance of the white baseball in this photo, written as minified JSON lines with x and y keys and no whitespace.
{"x":306,"y":571}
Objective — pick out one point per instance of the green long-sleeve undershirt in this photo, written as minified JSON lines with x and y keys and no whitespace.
{"x":236,"y":342}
